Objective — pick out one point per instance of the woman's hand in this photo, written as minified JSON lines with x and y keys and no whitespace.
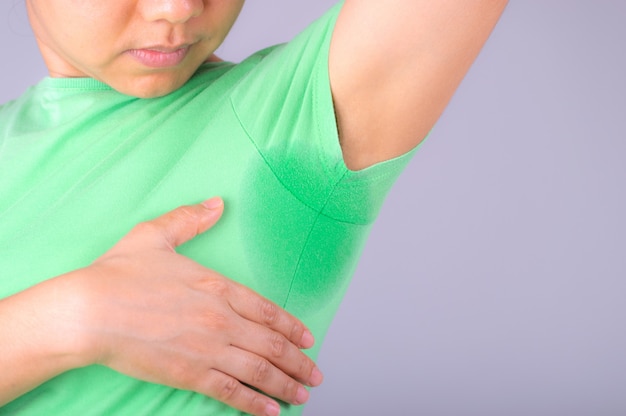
{"x":155,"y":315}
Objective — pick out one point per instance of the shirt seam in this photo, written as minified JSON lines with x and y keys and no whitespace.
{"x":306,"y":242}
{"x":269,"y":165}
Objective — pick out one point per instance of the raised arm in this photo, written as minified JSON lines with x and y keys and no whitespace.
{"x":395,"y":64}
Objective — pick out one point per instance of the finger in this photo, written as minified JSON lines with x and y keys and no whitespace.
{"x":230,"y":391}
{"x":183,"y":223}
{"x":255,"y":308}
{"x":273,"y":347}
{"x":259,"y":373}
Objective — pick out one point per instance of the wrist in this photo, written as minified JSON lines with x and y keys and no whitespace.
{"x":41,"y":336}
{"x":59,"y":317}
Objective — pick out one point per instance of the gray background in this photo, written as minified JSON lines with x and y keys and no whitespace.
{"x":493,"y":282}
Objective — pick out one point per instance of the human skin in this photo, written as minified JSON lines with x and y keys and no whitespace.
{"x":74,"y":320}
{"x":199,"y":331}
{"x":394,"y":66}
{"x":382,"y":110}
{"x":148,"y":48}
{"x":106,"y":40}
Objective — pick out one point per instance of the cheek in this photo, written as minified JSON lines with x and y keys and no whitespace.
{"x":227,"y":12}
{"x":99,"y":30}
{"x":81,"y":27}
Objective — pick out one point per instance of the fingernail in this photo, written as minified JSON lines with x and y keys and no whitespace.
{"x":213,"y":203}
{"x":272,"y":409}
{"x":316,"y":377}
{"x":302,"y":395}
{"x":307,"y":340}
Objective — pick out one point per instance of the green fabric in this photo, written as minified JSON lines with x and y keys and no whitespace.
{"x":80,"y":164}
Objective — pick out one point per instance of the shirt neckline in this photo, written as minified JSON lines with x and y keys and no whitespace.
{"x":74,"y":83}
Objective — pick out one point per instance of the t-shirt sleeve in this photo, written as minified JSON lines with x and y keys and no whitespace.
{"x":284,"y":104}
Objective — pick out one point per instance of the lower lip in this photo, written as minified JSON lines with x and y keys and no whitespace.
{"x":157,"y":59}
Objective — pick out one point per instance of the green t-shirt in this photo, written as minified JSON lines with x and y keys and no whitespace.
{"x":80,"y":164}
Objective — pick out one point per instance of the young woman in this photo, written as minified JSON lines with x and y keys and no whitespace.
{"x":302,"y":142}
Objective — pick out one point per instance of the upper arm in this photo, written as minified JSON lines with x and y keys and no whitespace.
{"x":395,"y":64}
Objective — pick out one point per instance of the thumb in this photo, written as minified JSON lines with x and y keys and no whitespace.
{"x":185,"y":222}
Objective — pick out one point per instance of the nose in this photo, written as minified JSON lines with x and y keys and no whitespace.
{"x":173,"y":11}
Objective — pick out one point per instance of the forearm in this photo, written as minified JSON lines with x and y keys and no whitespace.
{"x":148,"y":312}
{"x":39,"y":336}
